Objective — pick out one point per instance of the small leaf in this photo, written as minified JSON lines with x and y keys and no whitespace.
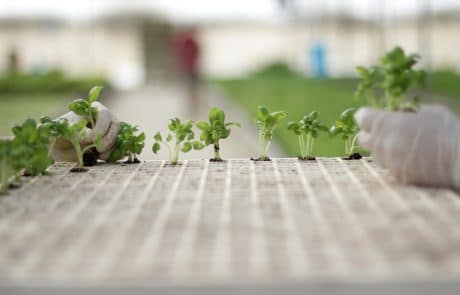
{"x":202,"y":125}
{"x":94,"y":93}
{"x":157,"y":137}
{"x":186,"y":147}
{"x":156,"y":147}
{"x":197,"y":145}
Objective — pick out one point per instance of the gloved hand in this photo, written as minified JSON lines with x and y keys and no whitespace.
{"x":419,"y":148}
{"x":105,"y":125}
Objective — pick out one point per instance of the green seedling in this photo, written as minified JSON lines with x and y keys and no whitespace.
{"x":388,"y":84}
{"x":129,"y":143}
{"x":267,"y":123}
{"x":179,"y":139}
{"x":75,"y":134}
{"x":215,"y":130}
{"x":347,"y":128}
{"x":32,"y":143}
{"x":82,"y":107}
{"x":12,"y":163}
{"x":307,"y":129}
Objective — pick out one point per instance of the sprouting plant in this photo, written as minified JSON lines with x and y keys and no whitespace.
{"x":347,"y":128}
{"x":82,"y":107}
{"x":388,"y":83}
{"x":267,"y":123}
{"x":12,"y":163}
{"x":74,"y":134}
{"x":307,"y":129}
{"x":32,"y":143}
{"x":179,"y":139}
{"x":215,"y":130}
{"x":129,"y":143}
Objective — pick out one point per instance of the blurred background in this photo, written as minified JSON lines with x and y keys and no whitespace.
{"x":164,"y":58}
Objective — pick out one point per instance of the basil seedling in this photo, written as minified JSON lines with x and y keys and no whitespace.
{"x":215,"y":130}
{"x":75,"y":134}
{"x":82,"y":107}
{"x":129,"y":143}
{"x":179,"y":139}
{"x":307,"y":129}
{"x":347,"y":128}
{"x":11,"y":163}
{"x":388,"y":83}
{"x":267,"y":123}
{"x":32,"y":143}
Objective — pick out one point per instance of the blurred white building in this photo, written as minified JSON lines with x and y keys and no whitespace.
{"x":131,"y":47}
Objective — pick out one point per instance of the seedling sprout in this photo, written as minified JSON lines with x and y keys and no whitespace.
{"x":307,"y":129}
{"x":267,"y":123}
{"x":82,"y":107}
{"x":179,"y":139}
{"x":215,"y":130}
{"x":347,"y":128}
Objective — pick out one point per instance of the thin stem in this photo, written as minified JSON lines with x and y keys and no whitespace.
{"x":77,"y":148}
{"x":216,"y":151}
{"x":301,"y":144}
{"x":91,"y":120}
{"x":263,"y":145}
{"x":4,"y":177}
{"x":310,"y":146}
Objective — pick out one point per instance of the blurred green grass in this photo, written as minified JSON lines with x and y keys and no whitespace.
{"x":15,"y":108}
{"x":446,"y":83}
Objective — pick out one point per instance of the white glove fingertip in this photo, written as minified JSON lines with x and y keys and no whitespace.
{"x":108,"y":141}
{"x":365,"y":140}
{"x":365,"y":117}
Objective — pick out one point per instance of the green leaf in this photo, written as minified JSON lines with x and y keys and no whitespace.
{"x":186,"y":147}
{"x":94,"y":94}
{"x":197,"y":145}
{"x":216,"y":115}
{"x":156,"y":147}
{"x":158,"y":137}
{"x":79,"y":107}
{"x":202,"y":125}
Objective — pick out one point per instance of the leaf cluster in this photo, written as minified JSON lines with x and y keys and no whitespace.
{"x":179,"y":139}
{"x":309,"y":124}
{"x":82,"y":107}
{"x":345,"y":126}
{"x":32,"y":141}
{"x":387,"y":84}
{"x":128,"y":143}
{"x":267,"y":121}
{"x":216,"y":128}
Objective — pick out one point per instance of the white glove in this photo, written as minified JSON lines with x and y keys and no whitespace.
{"x":419,"y":148}
{"x":105,"y":125}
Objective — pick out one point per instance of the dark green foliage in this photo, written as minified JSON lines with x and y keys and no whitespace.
{"x":267,"y":123}
{"x":32,"y":143}
{"x":179,"y":139}
{"x":128,"y":143}
{"x":387,"y":84}
{"x":346,"y":128}
{"x":215,"y":130}
{"x":82,"y":107}
{"x":307,"y":129}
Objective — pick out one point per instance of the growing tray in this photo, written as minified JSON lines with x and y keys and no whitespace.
{"x":209,"y":226}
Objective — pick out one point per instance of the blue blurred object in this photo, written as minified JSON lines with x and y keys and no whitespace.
{"x":318,"y":61}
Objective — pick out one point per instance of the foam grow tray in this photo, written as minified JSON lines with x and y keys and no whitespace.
{"x":233,"y":226}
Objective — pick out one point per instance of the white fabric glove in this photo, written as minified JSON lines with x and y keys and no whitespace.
{"x":419,"y":148}
{"x":105,"y":125}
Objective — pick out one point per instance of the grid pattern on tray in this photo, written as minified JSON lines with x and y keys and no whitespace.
{"x":235,"y":220}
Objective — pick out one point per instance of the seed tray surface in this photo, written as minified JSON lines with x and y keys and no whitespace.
{"x":224,"y":223}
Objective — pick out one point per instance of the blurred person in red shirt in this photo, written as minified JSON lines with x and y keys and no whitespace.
{"x":187,"y":51}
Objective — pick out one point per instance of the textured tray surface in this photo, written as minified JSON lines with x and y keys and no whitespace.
{"x":231,"y":221}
